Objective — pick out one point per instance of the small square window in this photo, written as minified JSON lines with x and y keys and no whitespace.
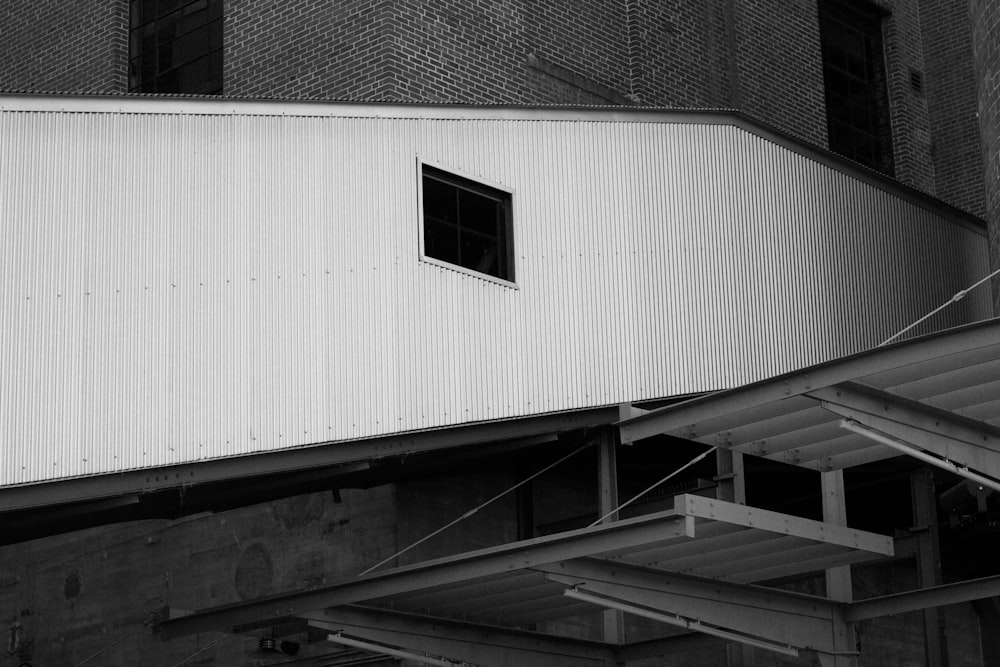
{"x":467,"y":224}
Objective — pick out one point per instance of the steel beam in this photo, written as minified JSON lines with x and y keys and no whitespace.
{"x":470,"y":642}
{"x":776,"y":616}
{"x":298,"y":458}
{"x":938,"y":596}
{"x":751,"y":517}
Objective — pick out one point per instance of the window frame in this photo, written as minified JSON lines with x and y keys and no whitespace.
{"x":868,"y":21}
{"x":477,"y":185}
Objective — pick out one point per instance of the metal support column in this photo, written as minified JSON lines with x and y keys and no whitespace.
{"x":732,"y":488}
{"x":614,"y":631}
{"x":729,"y":476}
{"x":928,"y":564}
{"x":838,"y":579}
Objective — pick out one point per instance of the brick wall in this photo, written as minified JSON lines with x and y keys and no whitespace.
{"x":308,"y":49}
{"x":950,"y":90}
{"x":49,"y":45}
{"x":678,"y":55}
{"x":911,"y":137}
{"x":509,"y":53}
{"x":780,"y":69}
{"x":986,"y":43}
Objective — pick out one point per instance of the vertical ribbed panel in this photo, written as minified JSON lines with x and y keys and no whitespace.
{"x":180,"y":287}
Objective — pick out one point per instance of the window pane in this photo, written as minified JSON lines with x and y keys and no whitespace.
{"x":173,"y":39}
{"x":135,"y":13}
{"x":167,"y":83}
{"x":215,"y":36}
{"x":167,"y":6}
{"x":479,"y":253}
{"x":190,"y":46}
{"x":148,"y":10}
{"x":465,"y":223}
{"x":190,"y":22}
{"x":440,"y":200}
{"x":195,"y":75}
{"x":166,"y":29}
{"x":440,"y":240}
{"x":478,"y":213}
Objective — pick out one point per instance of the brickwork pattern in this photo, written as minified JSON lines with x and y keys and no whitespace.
{"x":780,"y":66}
{"x":950,"y":87}
{"x":911,"y":135}
{"x":53,"y":46}
{"x":453,"y":51}
{"x":480,"y":51}
{"x":672,"y":53}
{"x":308,"y":49}
{"x":986,"y":44}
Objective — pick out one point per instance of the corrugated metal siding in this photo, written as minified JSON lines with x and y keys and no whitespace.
{"x":176,"y":287}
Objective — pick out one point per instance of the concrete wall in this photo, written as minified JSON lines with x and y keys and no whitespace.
{"x":79,"y":593}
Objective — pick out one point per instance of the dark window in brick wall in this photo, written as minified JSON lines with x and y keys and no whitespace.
{"x":467,"y":224}
{"x":857,"y":101}
{"x":175,"y":46}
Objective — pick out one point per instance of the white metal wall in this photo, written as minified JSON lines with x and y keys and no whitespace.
{"x":182,"y":286}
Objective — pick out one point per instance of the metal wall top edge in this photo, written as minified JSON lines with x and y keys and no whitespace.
{"x":394,"y":110}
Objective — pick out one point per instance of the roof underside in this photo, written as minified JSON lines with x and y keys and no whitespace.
{"x":943,"y":388}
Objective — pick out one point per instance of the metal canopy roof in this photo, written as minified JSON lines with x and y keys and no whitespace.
{"x":938,"y":393}
{"x":507,"y":585}
{"x":695,"y":566}
{"x":725,"y":541}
